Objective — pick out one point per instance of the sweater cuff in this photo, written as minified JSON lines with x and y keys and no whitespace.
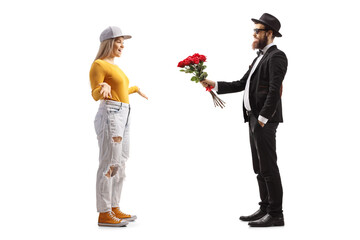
{"x":133,"y":89}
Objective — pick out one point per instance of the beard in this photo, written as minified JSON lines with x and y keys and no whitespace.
{"x":259,"y":43}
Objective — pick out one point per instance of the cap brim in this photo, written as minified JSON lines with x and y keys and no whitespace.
{"x":277,"y":34}
{"x":124,"y":36}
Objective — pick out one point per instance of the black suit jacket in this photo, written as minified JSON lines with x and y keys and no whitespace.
{"x":265,"y":85}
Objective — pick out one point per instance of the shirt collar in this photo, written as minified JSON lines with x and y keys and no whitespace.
{"x":267,"y":47}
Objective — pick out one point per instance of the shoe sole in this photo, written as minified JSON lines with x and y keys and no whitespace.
{"x":278,"y":224}
{"x":130,"y":219}
{"x":122,"y":224}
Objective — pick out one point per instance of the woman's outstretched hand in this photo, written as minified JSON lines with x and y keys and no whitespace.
{"x":105,"y":90}
{"x":142,"y":94}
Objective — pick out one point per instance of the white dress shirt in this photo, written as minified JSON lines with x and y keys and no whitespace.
{"x":247,"y":86}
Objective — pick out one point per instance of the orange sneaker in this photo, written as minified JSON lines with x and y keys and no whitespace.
{"x":109,"y":219}
{"x":119,"y":214}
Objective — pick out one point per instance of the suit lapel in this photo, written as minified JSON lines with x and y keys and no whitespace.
{"x":263,"y":58}
{"x":253,"y":80}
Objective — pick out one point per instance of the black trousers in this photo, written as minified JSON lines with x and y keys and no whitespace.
{"x":263,"y":150}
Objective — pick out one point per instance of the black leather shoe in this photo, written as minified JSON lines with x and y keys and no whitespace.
{"x":255,"y":216}
{"x":268,"y":221}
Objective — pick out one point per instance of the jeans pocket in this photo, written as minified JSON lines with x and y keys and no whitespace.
{"x":113,"y":109}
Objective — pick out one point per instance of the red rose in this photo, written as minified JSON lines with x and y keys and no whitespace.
{"x":181,"y":64}
{"x":194,"y":59}
{"x":202,"y":58}
{"x":187,"y":62}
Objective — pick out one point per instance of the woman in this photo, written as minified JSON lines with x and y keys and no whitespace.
{"x":110,"y":84}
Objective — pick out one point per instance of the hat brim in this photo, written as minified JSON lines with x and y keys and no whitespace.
{"x":124,"y":36}
{"x":276,"y":33}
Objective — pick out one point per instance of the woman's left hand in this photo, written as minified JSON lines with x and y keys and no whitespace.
{"x":142,"y":94}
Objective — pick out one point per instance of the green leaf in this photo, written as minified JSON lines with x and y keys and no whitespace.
{"x":203,"y":76}
{"x":194,"y":78}
{"x":182,"y":70}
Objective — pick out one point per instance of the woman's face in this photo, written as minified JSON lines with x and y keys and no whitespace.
{"x":118,"y":47}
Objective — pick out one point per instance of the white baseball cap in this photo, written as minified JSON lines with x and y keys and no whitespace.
{"x":112,"y":32}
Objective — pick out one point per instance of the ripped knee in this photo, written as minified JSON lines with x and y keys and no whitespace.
{"x":112,"y":171}
{"x":108,"y":174}
{"x":117,"y":139}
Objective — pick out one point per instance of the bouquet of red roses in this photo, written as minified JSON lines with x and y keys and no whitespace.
{"x":195,"y":64}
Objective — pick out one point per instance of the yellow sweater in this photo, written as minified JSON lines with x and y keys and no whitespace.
{"x":102,"y":71}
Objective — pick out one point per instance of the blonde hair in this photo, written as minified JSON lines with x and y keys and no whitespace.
{"x":105,"y":48}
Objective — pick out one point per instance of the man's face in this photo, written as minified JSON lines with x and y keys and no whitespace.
{"x":260,"y":39}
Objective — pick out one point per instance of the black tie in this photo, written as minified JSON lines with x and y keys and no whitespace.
{"x":260,"y":52}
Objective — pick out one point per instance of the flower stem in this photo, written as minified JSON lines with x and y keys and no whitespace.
{"x":217,"y":101}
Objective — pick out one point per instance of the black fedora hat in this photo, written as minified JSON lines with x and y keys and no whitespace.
{"x":270,"y":21}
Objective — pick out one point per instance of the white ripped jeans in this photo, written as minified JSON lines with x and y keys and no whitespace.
{"x":112,"y":120}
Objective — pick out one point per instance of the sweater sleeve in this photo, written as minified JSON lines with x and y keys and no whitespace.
{"x":133,"y":89}
{"x":97,"y":76}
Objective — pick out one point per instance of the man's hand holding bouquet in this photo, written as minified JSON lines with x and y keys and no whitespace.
{"x":195,"y":64}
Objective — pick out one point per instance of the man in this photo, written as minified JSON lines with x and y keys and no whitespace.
{"x":262,"y":85}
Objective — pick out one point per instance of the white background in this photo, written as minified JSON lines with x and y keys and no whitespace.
{"x":190,"y":173}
